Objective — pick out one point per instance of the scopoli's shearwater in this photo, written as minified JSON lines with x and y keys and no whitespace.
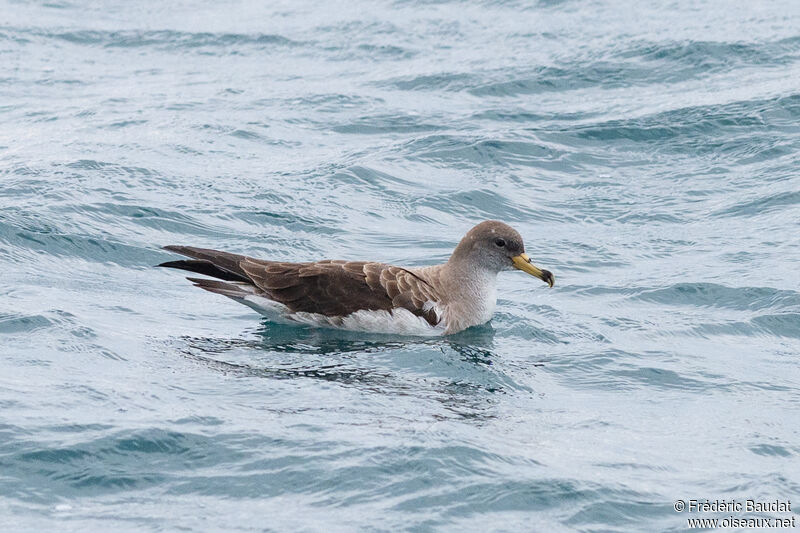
{"x":370,"y":296}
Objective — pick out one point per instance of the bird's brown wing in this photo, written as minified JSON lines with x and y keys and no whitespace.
{"x":330,"y":288}
{"x":339,"y":288}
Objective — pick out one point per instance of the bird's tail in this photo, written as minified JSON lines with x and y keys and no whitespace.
{"x":237,"y":291}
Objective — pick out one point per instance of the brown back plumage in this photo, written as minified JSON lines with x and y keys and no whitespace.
{"x":330,"y":288}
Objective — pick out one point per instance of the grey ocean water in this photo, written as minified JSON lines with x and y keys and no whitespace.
{"x":648,"y":154}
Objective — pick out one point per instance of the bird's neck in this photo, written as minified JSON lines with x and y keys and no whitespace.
{"x":470,"y":294}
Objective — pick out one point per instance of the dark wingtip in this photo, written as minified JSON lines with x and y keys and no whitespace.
{"x":170,"y":264}
{"x":206,"y":268}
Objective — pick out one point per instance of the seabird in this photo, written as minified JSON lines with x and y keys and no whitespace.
{"x":369,"y":296}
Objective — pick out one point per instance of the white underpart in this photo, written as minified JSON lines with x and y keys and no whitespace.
{"x":271,"y":309}
{"x":398,"y":321}
{"x":486,"y":303}
{"x":477,"y":303}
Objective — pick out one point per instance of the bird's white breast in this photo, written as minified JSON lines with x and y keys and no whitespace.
{"x":475,"y":303}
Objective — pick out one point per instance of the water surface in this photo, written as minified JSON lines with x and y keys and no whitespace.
{"x":649,"y":155}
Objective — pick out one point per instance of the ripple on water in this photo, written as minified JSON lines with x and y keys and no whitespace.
{"x":164,"y":39}
{"x":15,"y":323}
{"x":707,"y":57}
{"x":615,"y":369}
{"x":761,"y":205}
{"x":715,"y":295}
{"x":706,"y":130}
{"x":113,"y":461}
{"x":394,"y":124}
{"x":469,"y":152}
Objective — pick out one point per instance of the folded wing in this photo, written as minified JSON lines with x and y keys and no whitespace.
{"x":329,"y":288}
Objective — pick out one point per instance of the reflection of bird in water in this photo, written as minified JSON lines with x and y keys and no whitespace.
{"x":277,"y":351}
{"x":272,"y":337}
{"x":370,"y":296}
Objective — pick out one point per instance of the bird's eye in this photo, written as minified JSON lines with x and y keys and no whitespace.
{"x":500,"y":242}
